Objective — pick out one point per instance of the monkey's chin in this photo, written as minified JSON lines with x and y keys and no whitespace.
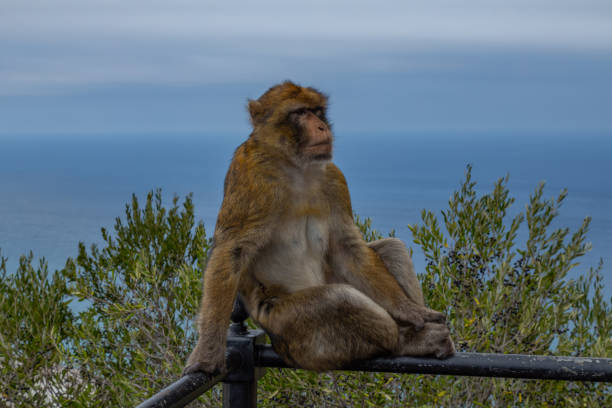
{"x":321,"y":152}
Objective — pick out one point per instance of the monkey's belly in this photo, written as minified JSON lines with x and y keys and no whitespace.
{"x":294,"y":259}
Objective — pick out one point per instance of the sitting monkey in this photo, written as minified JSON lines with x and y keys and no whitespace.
{"x":286,"y":241}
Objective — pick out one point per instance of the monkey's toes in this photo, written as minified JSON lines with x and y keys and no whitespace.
{"x":446,"y":349}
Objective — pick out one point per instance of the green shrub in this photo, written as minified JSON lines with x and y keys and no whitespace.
{"x":506,"y":297}
{"x":499,"y":297}
{"x":35,"y":320}
{"x":129,"y":334}
{"x":141,"y":290}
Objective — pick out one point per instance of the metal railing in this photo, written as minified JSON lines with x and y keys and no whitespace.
{"x":247,"y":358}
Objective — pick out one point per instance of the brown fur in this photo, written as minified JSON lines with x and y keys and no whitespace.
{"x":285,"y":239}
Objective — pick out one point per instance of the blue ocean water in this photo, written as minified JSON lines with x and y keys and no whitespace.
{"x":55,"y":192}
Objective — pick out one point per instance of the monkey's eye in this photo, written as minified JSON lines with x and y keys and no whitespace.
{"x":318,"y":111}
{"x":300,"y":111}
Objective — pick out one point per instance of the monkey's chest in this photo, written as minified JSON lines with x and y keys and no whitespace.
{"x":295,"y":258}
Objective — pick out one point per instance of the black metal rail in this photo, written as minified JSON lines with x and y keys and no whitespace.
{"x":247,"y":358}
{"x":183,"y":391}
{"x":476,"y":365}
{"x":191,"y":386}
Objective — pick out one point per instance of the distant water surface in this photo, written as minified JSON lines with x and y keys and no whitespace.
{"x":56,"y":192}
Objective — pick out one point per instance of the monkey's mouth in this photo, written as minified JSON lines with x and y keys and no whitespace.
{"x":324,"y":147}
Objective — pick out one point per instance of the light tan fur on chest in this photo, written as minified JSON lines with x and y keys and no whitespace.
{"x":296,"y":252}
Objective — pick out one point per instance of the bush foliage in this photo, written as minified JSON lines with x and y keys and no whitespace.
{"x":131,"y":322}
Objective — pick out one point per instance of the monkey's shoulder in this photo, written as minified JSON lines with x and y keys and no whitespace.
{"x":252,"y":171}
{"x":253,"y":163}
{"x":252,"y":197}
{"x":336,"y":189}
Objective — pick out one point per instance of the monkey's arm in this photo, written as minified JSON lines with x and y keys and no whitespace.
{"x":228,"y":261}
{"x":220,"y":282}
{"x":244,"y":226}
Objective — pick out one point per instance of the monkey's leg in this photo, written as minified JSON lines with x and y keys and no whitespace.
{"x":388,"y":278}
{"x":434,"y":339}
{"x":325,"y":327}
{"x":396,"y":258}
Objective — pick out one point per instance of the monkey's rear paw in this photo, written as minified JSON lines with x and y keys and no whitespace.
{"x":433,"y":340}
{"x":446,"y":349}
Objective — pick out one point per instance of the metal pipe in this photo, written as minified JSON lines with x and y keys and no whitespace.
{"x":595,"y":369}
{"x":190,"y":386}
{"x":182,"y":392}
{"x":476,"y":364}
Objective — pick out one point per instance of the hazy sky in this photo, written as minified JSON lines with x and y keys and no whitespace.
{"x":82,"y":67}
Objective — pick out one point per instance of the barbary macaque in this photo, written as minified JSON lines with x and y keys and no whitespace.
{"x":285,"y":240}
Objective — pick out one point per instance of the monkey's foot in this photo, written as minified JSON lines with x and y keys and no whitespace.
{"x":434,"y":339}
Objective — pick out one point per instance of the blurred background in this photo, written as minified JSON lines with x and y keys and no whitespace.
{"x":102,"y":99}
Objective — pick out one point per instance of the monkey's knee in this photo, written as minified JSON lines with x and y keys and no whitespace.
{"x":393,"y":253}
{"x":396,"y":258}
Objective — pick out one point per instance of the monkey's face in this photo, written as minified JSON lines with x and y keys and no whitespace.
{"x":312,"y":132}
{"x":292,"y":117}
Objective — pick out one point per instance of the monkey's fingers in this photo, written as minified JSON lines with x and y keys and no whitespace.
{"x":202,"y":367}
{"x":203,"y":359}
{"x":434,"y":316}
{"x":417,"y":316}
{"x":410,"y":317}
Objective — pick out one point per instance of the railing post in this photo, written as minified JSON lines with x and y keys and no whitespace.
{"x":240,"y":385}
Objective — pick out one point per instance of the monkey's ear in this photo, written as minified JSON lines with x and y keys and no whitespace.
{"x":256,"y":111}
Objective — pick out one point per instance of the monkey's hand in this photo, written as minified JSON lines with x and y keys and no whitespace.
{"x":409,"y":314}
{"x":205,"y":358}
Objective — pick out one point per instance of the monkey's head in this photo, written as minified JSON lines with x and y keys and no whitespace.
{"x":293,"y":118}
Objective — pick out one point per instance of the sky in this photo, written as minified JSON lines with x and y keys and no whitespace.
{"x":85,"y":68}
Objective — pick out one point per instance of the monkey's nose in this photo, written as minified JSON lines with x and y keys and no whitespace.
{"x":321,"y":128}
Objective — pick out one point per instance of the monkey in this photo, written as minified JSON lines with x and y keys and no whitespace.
{"x":285,"y":241}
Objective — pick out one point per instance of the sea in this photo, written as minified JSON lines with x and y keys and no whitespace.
{"x":57,"y":191}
